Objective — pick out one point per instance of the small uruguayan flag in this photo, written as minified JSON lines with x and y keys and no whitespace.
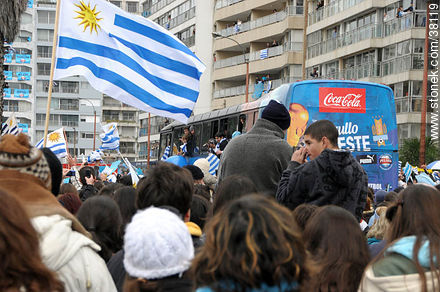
{"x":127,"y":57}
{"x":55,"y":142}
{"x":407,"y":170}
{"x":110,"y":137}
{"x":166,"y":153}
{"x":95,"y":156}
{"x":264,"y":54}
{"x":214,"y":163}
{"x":10,"y":126}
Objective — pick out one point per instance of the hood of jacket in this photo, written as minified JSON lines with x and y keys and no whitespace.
{"x":405,"y":247}
{"x":58,"y":242}
{"x":342,"y":165}
{"x":264,"y":127}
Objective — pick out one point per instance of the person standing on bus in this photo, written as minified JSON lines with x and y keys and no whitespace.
{"x":331,"y":177}
{"x":262,"y":153}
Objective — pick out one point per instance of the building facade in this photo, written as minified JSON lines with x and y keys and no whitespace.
{"x":372,"y":40}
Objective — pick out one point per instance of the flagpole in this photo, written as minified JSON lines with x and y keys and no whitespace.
{"x":52,"y":69}
{"x":148,"y":143}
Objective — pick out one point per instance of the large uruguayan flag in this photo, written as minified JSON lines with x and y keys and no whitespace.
{"x":10,"y":126}
{"x":214,"y":163}
{"x":110,"y":137}
{"x":127,"y":57}
{"x":55,"y":142}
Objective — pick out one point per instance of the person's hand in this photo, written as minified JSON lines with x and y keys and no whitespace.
{"x":299,"y":155}
{"x":90,"y":180}
{"x":71,"y":161}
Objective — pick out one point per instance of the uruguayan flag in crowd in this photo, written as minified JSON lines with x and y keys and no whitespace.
{"x":214,"y":163}
{"x":166,"y":153}
{"x":10,"y":126}
{"x":407,"y":170}
{"x":110,"y":137}
{"x":95,"y":156}
{"x":127,"y":57}
{"x":55,"y":142}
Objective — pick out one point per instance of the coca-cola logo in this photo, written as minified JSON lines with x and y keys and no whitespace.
{"x":342,"y":100}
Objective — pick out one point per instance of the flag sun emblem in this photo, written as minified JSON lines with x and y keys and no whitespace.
{"x":89,"y":17}
{"x":54,"y":137}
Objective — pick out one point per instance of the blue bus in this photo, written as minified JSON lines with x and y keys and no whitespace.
{"x":363,"y":112}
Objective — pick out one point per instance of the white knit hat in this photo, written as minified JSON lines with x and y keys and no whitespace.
{"x":157,"y":244}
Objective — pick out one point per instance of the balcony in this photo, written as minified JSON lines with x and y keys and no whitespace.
{"x":156,"y":7}
{"x":181,"y":18}
{"x":189,"y":42}
{"x":331,"y":9}
{"x":224,"y":3}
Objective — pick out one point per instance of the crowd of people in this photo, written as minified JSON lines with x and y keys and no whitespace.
{"x":275,"y":218}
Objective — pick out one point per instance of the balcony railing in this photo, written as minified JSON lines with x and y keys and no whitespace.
{"x":223,"y":3}
{"x":156,"y":7}
{"x":181,"y":18}
{"x":232,"y":61}
{"x":189,"y":42}
{"x":331,"y":9}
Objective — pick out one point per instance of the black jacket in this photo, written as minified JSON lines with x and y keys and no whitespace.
{"x":86,"y":192}
{"x":333,"y":178}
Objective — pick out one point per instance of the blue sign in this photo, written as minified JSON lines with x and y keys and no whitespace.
{"x":21,"y":93}
{"x":364,"y":114}
{"x":8,"y":75}
{"x":6,"y":92}
{"x":24,"y":127}
{"x":23,"y":58}
{"x":30,"y":3}
{"x":22,"y":76}
{"x":8,"y":58}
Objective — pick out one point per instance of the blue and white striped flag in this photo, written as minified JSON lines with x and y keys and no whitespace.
{"x":55,"y":142}
{"x":214,"y":163}
{"x":264,"y":54}
{"x":110,"y":137}
{"x":407,"y":170}
{"x":166,"y":153}
{"x":10,"y":126}
{"x":94,"y":156}
{"x":127,"y":57}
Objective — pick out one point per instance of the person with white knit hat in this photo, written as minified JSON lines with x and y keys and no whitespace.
{"x":158,"y":250}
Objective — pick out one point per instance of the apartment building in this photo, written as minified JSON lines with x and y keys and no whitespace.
{"x":366,"y":40}
{"x":265,"y":35}
{"x":191,"y":21}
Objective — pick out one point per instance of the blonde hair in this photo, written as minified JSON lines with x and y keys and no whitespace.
{"x":380,"y":225}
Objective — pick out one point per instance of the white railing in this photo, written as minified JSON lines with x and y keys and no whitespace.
{"x":232,"y":61}
{"x":331,"y":9}
{"x":223,"y":3}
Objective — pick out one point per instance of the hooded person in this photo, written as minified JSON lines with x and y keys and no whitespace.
{"x":331,"y":176}
{"x":208,"y":178}
{"x":262,"y":153}
{"x":66,"y":247}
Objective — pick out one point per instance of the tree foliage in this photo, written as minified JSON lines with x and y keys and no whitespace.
{"x":409,"y":152}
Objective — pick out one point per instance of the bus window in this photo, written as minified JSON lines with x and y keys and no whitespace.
{"x":177,"y":134}
{"x":197,"y":134}
{"x":232,"y":125}
{"x":165,"y":140}
{"x":242,"y":124}
{"x":206,"y":134}
{"x":214,"y":128}
{"x":224,"y":127}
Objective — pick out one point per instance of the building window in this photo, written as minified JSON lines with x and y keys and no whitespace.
{"x":44,"y":52}
{"x":86,"y":135}
{"x":132,"y":7}
{"x":45,"y":35}
{"x":46,"y":17}
{"x":117,"y":3}
{"x":128,"y":116}
{"x":44,"y":69}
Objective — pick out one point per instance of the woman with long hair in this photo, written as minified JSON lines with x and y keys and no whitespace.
{"x":21,"y":267}
{"x":252,"y":244}
{"x":410,"y":261}
{"x":338,"y":248}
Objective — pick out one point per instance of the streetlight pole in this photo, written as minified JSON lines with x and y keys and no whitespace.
{"x":246,"y":60}
{"x":94,"y":121}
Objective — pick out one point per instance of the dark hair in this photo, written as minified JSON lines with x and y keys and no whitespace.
{"x":165,"y":184}
{"x":68,"y":188}
{"x":56,"y":170}
{"x":398,"y":189}
{"x":70,"y":201}
{"x":202,"y":190}
{"x":338,"y":247}
{"x":100,"y":216}
{"x":199,"y":210}
{"x":125,"y":197}
{"x":84,"y":172}
{"x":252,"y":240}
{"x":21,"y":266}
{"x":323,"y":128}
{"x":302,"y":214}
{"x":110,"y":189}
{"x":416,"y":214}
{"x":391,"y":197}
{"x":219,"y":134}
{"x":98,"y":185}
{"x":232,"y":187}
{"x":126,"y":180}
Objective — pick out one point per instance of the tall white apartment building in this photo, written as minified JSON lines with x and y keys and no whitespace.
{"x":367,"y":40}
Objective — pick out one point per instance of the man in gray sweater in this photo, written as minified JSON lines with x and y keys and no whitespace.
{"x":261,"y":154}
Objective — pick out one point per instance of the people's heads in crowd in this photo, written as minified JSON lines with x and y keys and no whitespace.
{"x":87,"y":175}
{"x":100,"y":216}
{"x":379,"y":197}
{"x":56,"y":169}
{"x":157,"y":245}
{"x":277,"y":113}
{"x":302,"y":214}
{"x":126,"y":180}
{"x":166,"y":184}
{"x":98,"y":185}
{"x":390,"y":198}
{"x":380,"y":225}
{"x":416,"y":214}
{"x":398,"y":189}
{"x":337,"y":247}
{"x":199,"y":210}
{"x":125,"y":197}
{"x":203,"y":191}
{"x":68,"y":189}
{"x":196,"y":172}
{"x":320,"y":135}
{"x":110,"y":189}
{"x":208,"y":178}
{"x":21,"y":266}
{"x":219,"y":136}
{"x":232,"y":187}
{"x":251,"y":241}
{"x":70,"y":201}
